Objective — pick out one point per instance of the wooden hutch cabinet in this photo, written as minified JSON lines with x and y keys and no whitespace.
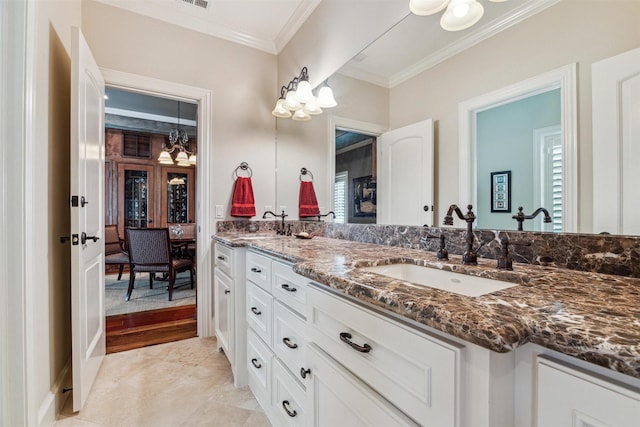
{"x":139,"y":191}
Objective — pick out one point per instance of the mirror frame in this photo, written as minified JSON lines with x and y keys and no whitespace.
{"x":563,"y":78}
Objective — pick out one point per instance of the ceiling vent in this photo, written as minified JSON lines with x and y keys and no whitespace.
{"x":200,"y":3}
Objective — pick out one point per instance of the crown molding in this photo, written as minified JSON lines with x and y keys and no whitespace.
{"x":299,"y":17}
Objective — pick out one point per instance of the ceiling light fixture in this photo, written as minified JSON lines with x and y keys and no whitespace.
{"x":298,"y":102}
{"x":459,"y":14}
{"x":178,"y":140}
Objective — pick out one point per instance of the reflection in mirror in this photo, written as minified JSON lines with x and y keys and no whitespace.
{"x":355,"y":197}
{"x":523,"y":138}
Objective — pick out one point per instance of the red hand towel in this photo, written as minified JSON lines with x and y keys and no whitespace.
{"x":308,"y":203}
{"x":243,"y":203}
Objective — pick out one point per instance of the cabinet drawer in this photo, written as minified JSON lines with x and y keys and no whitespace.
{"x":224,"y":258}
{"x":259,"y":270}
{"x":260,"y":312}
{"x":340,"y":399}
{"x":289,"y":287}
{"x":259,"y":365}
{"x":289,"y":341}
{"x":289,"y":399}
{"x":418,"y":373}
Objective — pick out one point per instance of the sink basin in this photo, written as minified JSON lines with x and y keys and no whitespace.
{"x":458,"y":283}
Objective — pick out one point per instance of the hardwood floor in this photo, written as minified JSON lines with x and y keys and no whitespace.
{"x":135,"y":330}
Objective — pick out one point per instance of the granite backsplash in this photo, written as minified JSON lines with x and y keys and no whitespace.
{"x":600,"y":253}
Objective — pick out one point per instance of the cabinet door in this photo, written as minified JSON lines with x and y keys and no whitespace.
{"x":337,"y":398}
{"x":135,"y":196}
{"x":571,"y":397}
{"x":177,"y":195}
{"x":223,"y":296}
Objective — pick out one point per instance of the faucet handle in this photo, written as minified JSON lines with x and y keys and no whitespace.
{"x":505,"y":262}
{"x":442,"y":252}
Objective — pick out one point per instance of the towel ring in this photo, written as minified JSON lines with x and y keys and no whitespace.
{"x":305,"y":171}
{"x":245,"y":167}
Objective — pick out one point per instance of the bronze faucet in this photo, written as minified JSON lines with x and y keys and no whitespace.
{"x":504,"y":260}
{"x":520,"y":216}
{"x":442,"y":250}
{"x":320,"y":216}
{"x":470,"y":255}
{"x":280,"y":230}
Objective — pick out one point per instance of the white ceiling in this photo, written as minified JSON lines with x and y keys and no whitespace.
{"x":267,"y":25}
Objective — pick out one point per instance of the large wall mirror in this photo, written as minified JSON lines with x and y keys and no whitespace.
{"x":435,"y":80}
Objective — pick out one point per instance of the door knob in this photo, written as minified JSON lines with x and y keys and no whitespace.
{"x":84,"y":238}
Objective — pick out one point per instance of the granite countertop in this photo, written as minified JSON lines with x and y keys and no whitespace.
{"x":594,"y":317}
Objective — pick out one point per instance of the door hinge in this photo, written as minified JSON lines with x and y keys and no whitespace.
{"x":74,"y":201}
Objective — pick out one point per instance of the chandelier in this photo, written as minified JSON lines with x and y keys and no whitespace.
{"x":298,"y":102}
{"x":460,"y":14}
{"x":178,"y":141}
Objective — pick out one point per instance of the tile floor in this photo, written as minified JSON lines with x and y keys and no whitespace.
{"x":183,"y":383}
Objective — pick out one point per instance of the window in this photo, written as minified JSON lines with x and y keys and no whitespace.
{"x":549,"y":177}
{"x":136,"y":145}
{"x":340,"y":197}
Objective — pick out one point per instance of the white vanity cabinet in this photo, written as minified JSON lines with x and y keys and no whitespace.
{"x":276,"y":359}
{"x":569,"y":396}
{"x":418,"y":374}
{"x":229,"y":302}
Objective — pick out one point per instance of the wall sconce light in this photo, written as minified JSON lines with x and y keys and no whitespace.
{"x":460,"y":14}
{"x":298,"y":102}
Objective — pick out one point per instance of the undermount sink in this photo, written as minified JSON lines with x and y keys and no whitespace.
{"x":463,"y":284}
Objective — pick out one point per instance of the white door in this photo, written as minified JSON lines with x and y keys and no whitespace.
{"x":87,"y":218}
{"x":616,"y":143}
{"x":405,"y":175}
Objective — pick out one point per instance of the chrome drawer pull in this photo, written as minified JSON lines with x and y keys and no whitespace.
{"x":256,"y":270}
{"x":255,"y":363}
{"x":346,"y":338}
{"x":285,"y":405}
{"x":256,"y":311}
{"x":287,"y":288}
{"x":304,"y":372}
{"x":288,"y":343}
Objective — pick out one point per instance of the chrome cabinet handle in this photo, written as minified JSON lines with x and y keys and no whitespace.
{"x":345,"y":337}
{"x":285,"y":405}
{"x":288,"y":343}
{"x":287,"y":288}
{"x":255,"y":363}
{"x":256,"y":270}
{"x":227,"y":291}
{"x":304,"y":372}
{"x":256,"y":311}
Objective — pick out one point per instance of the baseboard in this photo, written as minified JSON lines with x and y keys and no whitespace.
{"x":53,"y":403}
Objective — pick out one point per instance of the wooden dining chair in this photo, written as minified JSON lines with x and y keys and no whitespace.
{"x":150,"y":252}
{"x":115,"y":252}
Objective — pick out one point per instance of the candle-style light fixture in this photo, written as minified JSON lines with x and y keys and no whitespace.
{"x":298,"y":102}
{"x":178,"y":140}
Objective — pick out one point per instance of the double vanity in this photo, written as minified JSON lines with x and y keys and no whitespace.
{"x":328,"y":331}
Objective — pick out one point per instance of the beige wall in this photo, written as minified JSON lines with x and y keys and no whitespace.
{"x":571,"y":31}
{"x":241,"y":79}
{"x":49,"y":166}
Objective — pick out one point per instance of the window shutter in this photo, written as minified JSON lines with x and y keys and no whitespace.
{"x":557,"y":184}
{"x":340,"y":198}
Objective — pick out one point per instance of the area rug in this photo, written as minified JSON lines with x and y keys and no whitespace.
{"x":143,"y":298}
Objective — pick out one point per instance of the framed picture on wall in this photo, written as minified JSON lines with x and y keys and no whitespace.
{"x":501,"y":191}
{"x":364,"y":196}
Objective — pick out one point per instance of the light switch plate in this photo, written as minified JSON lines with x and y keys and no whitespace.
{"x":219,"y":211}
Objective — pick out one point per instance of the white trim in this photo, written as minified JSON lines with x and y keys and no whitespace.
{"x":563,"y":78}
{"x":336,"y":122}
{"x":299,"y":17}
{"x":204,"y":198}
{"x":54,"y":400}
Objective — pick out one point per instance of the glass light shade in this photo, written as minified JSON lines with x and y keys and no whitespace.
{"x":312,"y":108}
{"x":192,"y":159}
{"x":303,"y":92}
{"x":183,"y":163}
{"x":165,"y":158}
{"x":427,"y":7}
{"x":182,"y":157}
{"x":325,"y":98}
{"x":461,"y":14}
{"x":176,"y":181}
{"x":291,"y":101}
{"x":280,"y":110}
{"x":301,"y":116}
